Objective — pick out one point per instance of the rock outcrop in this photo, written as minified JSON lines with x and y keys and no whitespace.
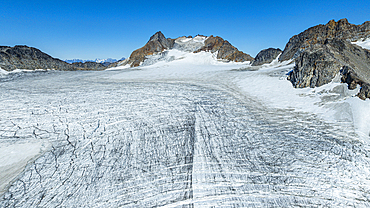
{"x":321,"y":52}
{"x":314,"y":67}
{"x":319,"y":64}
{"x":225,"y":50}
{"x":318,"y":34}
{"x":24,"y":57}
{"x":266,"y":56}
{"x":158,"y":43}
{"x":352,"y":79}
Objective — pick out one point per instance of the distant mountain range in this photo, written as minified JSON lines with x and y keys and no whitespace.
{"x":105,"y":62}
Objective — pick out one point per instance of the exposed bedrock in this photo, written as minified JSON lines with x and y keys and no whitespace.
{"x":225,"y":50}
{"x":319,"y":64}
{"x":318,"y":34}
{"x":266,"y":56}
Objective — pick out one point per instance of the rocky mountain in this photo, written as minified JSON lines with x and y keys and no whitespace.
{"x":318,"y":35}
{"x":159,"y":43}
{"x":266,"y":56}
{"x":322,"y":52}
{"x":24,"y":57}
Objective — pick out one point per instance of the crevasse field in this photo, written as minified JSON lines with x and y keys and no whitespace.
{"x":185,"y":131}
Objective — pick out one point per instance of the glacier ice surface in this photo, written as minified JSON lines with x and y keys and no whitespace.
{"x":166,"y":136}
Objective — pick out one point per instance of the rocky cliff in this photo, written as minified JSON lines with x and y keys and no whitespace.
{"x":266,"y":56}
{"x":319,"y":64}
{"x":158,"y":43}
{"x":318,"y":34}
{"x":24,"y":57}
{"x":322,"y":52}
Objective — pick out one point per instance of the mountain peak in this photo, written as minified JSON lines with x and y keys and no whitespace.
{"x":159,"y":43}
{"x":157,"y":36}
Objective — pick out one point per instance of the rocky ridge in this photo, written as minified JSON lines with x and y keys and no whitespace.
{"x":266,"y":56}
{"x":322,"y":52}
{"x":156,"y":44}
{"x":224,"y":50}
{"x":24,"y":57}
{"x":320,"y":33}
{"x":159,"y":43}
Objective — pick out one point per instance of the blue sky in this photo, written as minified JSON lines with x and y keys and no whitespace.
{"x":102,"y":29}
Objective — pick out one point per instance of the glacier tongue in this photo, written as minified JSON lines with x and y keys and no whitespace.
{"x":118,"y":143}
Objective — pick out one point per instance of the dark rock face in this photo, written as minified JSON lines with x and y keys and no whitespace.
{"x":313,"y":68}
{"x":24,"y":57}
{"x":352,"y":79}
{"x":266,"y":56}
{"x":318,"y":34}
{"x":89,"y":66}
{"x":225,"y":50}
{"x":319,"y":64}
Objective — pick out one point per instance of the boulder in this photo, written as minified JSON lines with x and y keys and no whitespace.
{"x":266,"y":56}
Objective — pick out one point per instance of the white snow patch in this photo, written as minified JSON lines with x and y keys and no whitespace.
{"x":361,"y":116}
{"x":3,"y":72}
{"x":363,"y":43}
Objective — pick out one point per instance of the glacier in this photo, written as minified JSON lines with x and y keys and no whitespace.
{"x":185,"y":130}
